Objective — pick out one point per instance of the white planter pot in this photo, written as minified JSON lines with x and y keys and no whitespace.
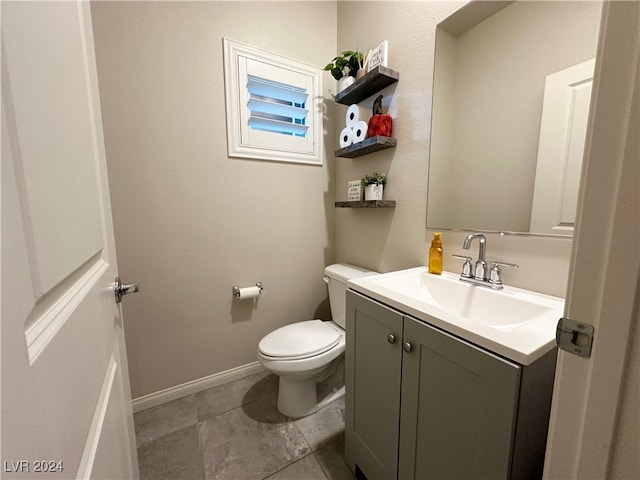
{"x":373,"y":192}
{"x":344,"y":82}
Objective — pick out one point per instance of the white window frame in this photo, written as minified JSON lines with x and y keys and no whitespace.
{"x":244,"y":142}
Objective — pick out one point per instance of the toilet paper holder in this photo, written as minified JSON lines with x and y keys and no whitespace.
{"x":236,"y":289}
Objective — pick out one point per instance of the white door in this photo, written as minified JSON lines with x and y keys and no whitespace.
{"x":595,"y":420}
{"x":66,"y":401}
{"x":563,"y":128}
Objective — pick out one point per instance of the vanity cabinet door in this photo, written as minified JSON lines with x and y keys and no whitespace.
{"x":459,"y":406}
{"x":373,"y":365}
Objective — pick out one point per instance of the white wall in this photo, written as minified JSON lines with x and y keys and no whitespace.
{"x":190,"y":222}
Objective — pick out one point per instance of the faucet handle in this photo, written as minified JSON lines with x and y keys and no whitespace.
{"x":495,"y":276}
{"x":467,"y":268}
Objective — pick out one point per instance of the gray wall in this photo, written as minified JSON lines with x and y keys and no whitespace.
{"x":190,"y":222}
{"x":387,"y":240}
{"x":496,"y":89}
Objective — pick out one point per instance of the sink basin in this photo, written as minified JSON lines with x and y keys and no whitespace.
{"x":516,"y":323}
{"x":504,"y":309}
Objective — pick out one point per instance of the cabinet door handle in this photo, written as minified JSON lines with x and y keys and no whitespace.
{"x":407,"y":347}
{"x":391,"y":338}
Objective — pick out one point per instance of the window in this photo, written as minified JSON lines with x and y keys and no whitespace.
{"x":274,"y":106}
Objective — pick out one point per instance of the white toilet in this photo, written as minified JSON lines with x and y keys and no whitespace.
{"x":302,"y":353}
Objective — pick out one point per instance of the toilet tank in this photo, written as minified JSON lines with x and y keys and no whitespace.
{"x":336,"y":277}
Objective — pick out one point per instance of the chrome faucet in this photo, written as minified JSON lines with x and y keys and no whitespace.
{"x":480,"y":276}
{"x":481,"y":264}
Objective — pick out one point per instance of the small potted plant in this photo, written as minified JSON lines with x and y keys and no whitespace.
{"x":373,"y":185}
{"x":345,"y":66}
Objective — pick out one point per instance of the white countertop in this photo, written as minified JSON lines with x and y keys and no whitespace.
{"x":515,"y":323}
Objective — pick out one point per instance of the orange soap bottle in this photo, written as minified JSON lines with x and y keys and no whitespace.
{"x":435,"y":255}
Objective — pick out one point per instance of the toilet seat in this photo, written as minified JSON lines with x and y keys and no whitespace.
{"x":300,"y":340}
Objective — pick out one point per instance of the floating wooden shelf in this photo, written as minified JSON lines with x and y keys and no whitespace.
{"x":368,"y":145}
{"x":367,"y":204}
{"x":373,"y":81}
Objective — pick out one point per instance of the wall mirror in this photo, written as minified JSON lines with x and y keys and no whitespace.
{"x":506,"y":149}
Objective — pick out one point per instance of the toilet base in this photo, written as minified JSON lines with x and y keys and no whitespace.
{"x":298,"y":397}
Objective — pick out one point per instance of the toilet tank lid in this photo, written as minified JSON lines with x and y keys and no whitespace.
{"x":344,"y":272}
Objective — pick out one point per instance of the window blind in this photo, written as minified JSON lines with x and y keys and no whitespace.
{"x":274,"y":106}
{"x":277,"y":107}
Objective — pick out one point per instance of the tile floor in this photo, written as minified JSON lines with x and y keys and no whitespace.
{"x":236,"y":432}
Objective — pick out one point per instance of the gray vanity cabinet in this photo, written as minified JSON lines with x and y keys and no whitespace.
{"x":373,"y":367}
{"x":458,"y":406}
{"x":432,"y":406}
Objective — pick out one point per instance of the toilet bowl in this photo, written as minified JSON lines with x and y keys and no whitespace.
{"x":305,"y":353}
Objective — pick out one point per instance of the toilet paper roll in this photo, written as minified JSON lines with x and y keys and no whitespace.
{"x":353,"y":115}
{"x":359,"y":132}
{"x":346,"y":137}
{"x":249,"y":292}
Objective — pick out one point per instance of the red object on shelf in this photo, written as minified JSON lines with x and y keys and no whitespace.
{"x":380,"y":125}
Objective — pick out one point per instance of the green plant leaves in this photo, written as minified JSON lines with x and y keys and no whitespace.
{"x":374,"y":179}
{"x":346,"y":64}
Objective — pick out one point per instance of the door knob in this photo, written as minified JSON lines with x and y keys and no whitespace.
{"x":121,"y":289}
{"x":391,"y":338}
{"x":407,"y":347}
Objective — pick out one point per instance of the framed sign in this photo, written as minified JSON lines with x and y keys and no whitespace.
{"x":354,"y":190}
{"x":378,"y":56}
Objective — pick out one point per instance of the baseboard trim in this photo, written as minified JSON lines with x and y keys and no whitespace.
{"x":172,"y":393}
